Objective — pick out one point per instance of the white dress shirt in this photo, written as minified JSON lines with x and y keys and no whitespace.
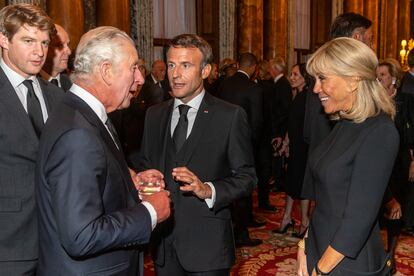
{"x":48,"y":77}
{"x":16,"y":81}
{"x":100,"y":111}
{"x":277,"y":78}
{"x":194,"y":105}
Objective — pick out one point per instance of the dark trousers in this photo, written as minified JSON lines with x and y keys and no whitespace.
{"x":264,"y":171}
{"x":242,"y":215}
{"x":18,"y":268}
{"x":172,"y":266}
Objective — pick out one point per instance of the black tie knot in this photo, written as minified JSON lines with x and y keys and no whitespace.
{"x":183,"y":108}
{"x":55,"y":82}
{"x":29,"y":85}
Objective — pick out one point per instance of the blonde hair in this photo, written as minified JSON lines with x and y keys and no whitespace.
{"x":347,"y":57}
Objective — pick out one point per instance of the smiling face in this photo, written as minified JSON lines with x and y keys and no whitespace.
{"x":185,"y":73}
{"x":26,"y":51}
{"x":336,"y":93}
{"x":297,"y":81}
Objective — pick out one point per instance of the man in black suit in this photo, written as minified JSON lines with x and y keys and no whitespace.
{"x":202,"y":145}
{"x":25,"y":32}
{"x":282,"y":97}
{"x":407,"y":83}
{"x":57,"y":60}
{"x":158,"y":77}
{"x":240,"y":90}
{"x":91,"y":221}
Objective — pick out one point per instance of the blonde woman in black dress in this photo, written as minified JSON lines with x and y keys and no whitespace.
{"x":350,"y":169}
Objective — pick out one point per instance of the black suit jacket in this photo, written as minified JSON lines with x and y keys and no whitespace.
{"x":90,"y":218}
{"x":280,"y":106}
{"x":150,"y":94}
{"x":65,"y":82}
{"x":240,"y":90}
{"x":165,"y":85}
{"x":407,"y":84}
{"x":18,"y":151}
{"x":217,"y":150}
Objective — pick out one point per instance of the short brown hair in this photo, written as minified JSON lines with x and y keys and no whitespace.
{"x":193,"y":41}
{"x":13,"y":17}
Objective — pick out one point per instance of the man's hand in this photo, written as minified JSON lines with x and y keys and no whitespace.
{"x":393,"y":209}
{"x":148,"y":176}
{"x":276,"y":142}
{"x":191,"y":183}
{"x":161,"y":203}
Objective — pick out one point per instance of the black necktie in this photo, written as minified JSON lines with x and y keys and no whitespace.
{"x":55,"y":82}
{"x":180,"y":131}
{"x":33,"y":108}
{"x":113,"y":132}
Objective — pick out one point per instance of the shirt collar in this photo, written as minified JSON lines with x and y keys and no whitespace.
{"x":153,"y":78}
{"x":45,"y":75}
{"x":241,"y":71}
{"x":194,"y":103}
{"x":91,"y":101}
{"x":15,"y":78}
{"x":278,"y":77}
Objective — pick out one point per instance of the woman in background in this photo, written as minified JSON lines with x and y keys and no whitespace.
{"x":296,"y":149}
{"x":389,"y":73}
{"x":350,"y":169}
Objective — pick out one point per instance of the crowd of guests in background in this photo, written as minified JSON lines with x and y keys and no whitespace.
{"x":335,"y":133}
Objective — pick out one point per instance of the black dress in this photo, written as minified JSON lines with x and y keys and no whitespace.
{"x":349,"y":172}
{"x":298,"y":149}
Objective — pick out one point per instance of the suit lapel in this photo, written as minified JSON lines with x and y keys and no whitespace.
{"x":93,"y":119}
{"x":200,"y":127}
{"x":165,"y":131}
{"x":46,"y":95}
{"x":15,"y":108}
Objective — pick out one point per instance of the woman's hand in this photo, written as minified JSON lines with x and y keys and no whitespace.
{"x":302,"y":268}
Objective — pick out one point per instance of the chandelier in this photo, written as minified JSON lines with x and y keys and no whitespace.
{"x":404,"y":52}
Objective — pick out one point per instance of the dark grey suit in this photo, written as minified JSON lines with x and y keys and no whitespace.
{"x":90,"y":218}
{"x":217,"y":150}
{"x":18,"y":153}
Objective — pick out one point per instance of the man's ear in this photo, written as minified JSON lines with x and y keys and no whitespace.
{"x":205,"y":72}
{"x":105,"y":70}
{"x":357,"y":36}
{"x":4,"y":41}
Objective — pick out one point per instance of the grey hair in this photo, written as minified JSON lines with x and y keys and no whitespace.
{"x":99,"y":45}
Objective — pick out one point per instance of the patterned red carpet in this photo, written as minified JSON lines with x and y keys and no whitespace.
{"x":277,"y":254}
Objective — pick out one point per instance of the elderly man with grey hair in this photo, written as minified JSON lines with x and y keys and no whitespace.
{"x":91,"y":221}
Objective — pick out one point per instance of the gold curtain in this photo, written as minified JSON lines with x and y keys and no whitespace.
{"x":275,"y":29}
{"x":250,"y":27}
{"x":70,"y":15}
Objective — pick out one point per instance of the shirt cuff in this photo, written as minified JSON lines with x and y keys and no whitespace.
{"x":210,"y":201}
{"x":152,"y":213}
